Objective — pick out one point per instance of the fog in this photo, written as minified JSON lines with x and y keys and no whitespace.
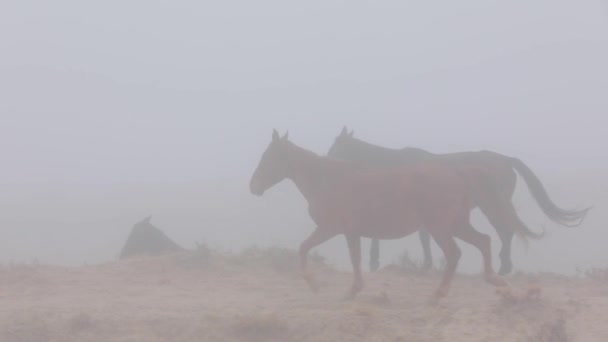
{"x":112,"y":111}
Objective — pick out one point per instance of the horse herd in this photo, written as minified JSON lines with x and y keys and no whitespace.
{"x":363,"y":190}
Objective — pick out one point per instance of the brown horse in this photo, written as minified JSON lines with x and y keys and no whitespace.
{"x":501,"y":171}
{"x":344,"y":198}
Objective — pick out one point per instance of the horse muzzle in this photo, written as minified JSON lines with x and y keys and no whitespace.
{"x":256,"y":189}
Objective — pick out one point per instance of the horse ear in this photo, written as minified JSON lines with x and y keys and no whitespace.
{"x":351,"y":133}
{"x":286,"y":136}
{"x":147,"y":220}
{"x":344,"y":131}
{"x":275,"y":135}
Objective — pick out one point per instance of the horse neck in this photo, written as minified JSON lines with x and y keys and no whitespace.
{"x":369,"y":153}
{"x":310,"y":172}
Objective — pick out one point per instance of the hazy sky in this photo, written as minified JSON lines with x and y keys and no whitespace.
{"x":174,"y":90}
{"x":122,"y":92}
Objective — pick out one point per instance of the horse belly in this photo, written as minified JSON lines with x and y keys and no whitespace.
{"x":386,"y":223}
{"x":381,"y":206}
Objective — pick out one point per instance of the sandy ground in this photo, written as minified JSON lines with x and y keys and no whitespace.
{"x":258,"y":296}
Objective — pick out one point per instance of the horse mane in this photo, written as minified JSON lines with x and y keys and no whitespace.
{"x":379,"y":155}
{"x":378,"y":148}
{"x":373,"y":147}
{"x":413,"y":149}
{"x":326,"y":163}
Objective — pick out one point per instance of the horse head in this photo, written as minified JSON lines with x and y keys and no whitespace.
{"x":341,"y":146}
{"x":273,"y":166}
{"x":143,"y":224}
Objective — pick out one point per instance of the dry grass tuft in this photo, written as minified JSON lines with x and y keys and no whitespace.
{"x":597,"y":274}
{"x":281,"y":260}
{"x":509,"y":297}
{"x":200,"y":257}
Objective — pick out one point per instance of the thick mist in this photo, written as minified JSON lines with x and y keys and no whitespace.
{"x":114,"y":111}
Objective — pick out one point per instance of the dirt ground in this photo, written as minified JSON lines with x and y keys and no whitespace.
{"x":259,"y":296}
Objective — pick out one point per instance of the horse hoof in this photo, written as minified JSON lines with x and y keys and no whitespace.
{"x":353,"y":292}
{"x":504,"y":271}
{"x":440,"y":293}
{"x":497,"y":281}
{"x":311,"y":282}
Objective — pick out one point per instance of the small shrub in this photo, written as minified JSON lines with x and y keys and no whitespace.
{"x":203,"y":251}
{"x":281,"y":260}
{"x":597,"y":274}
{"x":511,"y":298}
{"x":200,"y":257}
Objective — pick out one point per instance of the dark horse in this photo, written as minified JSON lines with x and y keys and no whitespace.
{"x":345,"y":198}
{"x":502,"y":175}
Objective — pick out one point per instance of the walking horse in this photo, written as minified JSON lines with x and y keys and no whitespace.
{"x":501,"y":175}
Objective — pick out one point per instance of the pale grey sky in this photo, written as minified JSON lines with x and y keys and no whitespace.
{"x":114,"y":91}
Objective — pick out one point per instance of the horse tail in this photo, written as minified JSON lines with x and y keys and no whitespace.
{"x":564,"y":217}
{"x":519,"y":226}
{"x":499,"y":210}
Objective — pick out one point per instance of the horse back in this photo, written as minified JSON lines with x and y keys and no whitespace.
{"x":391,"y":203}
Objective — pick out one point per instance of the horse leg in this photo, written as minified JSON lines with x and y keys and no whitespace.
{"x":374,"y":255}
{"x":316,"y":238}
{"x":354,"y":248}
{"x":506,"y":237}
{"x":425,"y":241}
{"x":452,"y":253}
{"x":505,"y":233}
{"x":482,"y":241}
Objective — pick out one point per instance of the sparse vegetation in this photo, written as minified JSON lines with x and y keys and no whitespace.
{"x":597,"y":274}
{"x":281,"y":260}
{"x":252,"y":295}
{"x":200,"y":257}
{"x":203,"y":251}
{"x":510,"y":297}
